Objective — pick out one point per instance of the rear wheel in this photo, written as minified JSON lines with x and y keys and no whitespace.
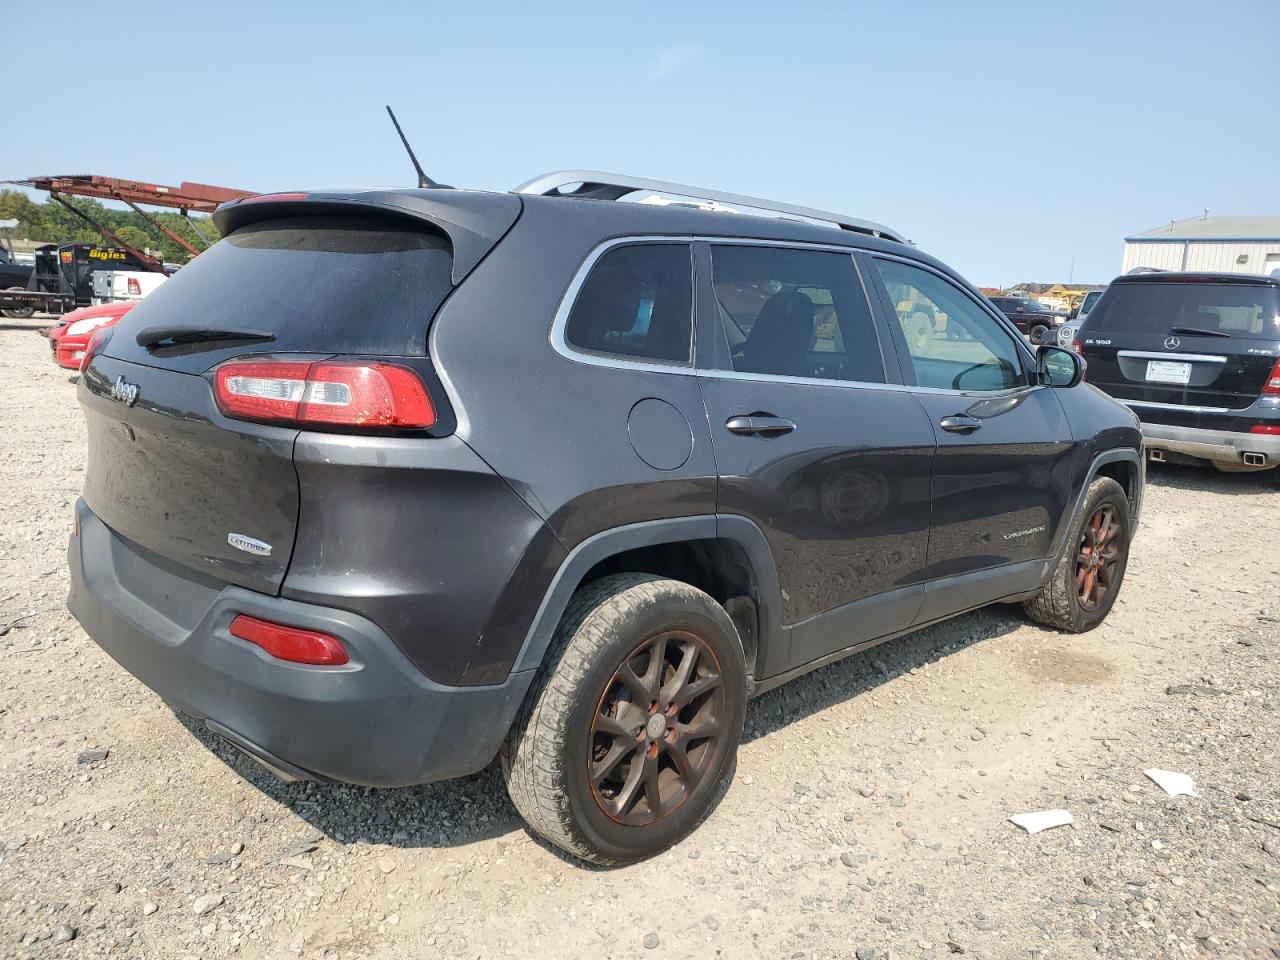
{"x":631,"y":738}
{"x":18,"y":313}
{"x":1087,"y":578}
{"x":1038,"y":332}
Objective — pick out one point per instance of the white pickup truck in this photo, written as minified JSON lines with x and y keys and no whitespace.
{"x":112,"y":285}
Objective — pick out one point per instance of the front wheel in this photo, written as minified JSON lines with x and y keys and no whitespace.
{"x":1087,"y":578}
{"x":630,"y":740}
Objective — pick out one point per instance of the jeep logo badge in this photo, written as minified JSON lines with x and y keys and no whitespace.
{"x":1172,"y":343}
{"x":125,"y":392}
{"x":249,"y":544}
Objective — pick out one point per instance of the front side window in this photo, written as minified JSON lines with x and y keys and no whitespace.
{"x":795,"y":313}
{"x":954,"y":344}
{"x":636,"y":303}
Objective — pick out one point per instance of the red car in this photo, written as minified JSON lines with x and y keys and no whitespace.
{"x":71,"y":335}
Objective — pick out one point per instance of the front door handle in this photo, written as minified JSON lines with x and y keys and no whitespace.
{"x":760,"y":426}
{"x":960,"y":424}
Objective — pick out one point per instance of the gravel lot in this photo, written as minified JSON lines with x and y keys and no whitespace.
{"x":867,"y":818}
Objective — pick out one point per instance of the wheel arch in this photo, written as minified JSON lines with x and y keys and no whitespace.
{"x":725,"y":556}
{"x":1122,"y":464}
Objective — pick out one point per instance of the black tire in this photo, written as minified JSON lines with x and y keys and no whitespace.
{"x":1037,"y":332}
{"x":19,"y":313}
{"x":554,"y":741}
{"x":1059,"y":604}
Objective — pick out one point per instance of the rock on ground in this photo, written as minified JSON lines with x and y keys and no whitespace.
{"x":867,"y":818}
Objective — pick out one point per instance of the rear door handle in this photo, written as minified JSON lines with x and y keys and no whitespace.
{"x":759,"y":426}
{"x":960,"y":424}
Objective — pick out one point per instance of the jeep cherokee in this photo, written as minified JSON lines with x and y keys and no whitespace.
{"x":389,"y":483}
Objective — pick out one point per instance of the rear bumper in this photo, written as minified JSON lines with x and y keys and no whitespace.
{"x":1219,"y":446}
{"x":376,"y":721}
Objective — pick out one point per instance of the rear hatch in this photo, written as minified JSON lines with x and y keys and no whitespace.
{"x":298,"y":281}
{"x":1183,"y":342}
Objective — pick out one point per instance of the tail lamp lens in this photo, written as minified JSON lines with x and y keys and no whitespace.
{"x":135,"y":288}
{"x":1272,"y":386}
{"x":338,"y":393}
{"x":290,"y":643}
{"x":1077,"y":346}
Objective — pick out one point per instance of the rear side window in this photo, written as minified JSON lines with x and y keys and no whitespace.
{"x":1250,"y":311}
{"x":319,"y":285}
{"x":636,"y":303}
{"x":796,"y":313}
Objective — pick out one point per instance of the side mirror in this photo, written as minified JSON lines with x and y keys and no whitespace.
{"x":1056,"y":367}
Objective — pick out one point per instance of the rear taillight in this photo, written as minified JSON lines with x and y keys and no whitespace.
{"x":290,"y":643}
{"x":97,"y":340}
{"x":1077,"y":346}
{"x":1268,"y":429}
{"x":336,"y":393}
{"x":135,"y":288}
{"x":1272,"y":386}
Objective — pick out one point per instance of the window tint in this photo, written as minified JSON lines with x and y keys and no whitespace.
{"x":796,"y":313}
{"x":636,"y":302}
{"x":319,"y":284}
{"x":1250,"y":311}
{"x":954,"y":344}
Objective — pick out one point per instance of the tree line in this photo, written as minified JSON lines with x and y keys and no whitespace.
{"x":51,"y":222}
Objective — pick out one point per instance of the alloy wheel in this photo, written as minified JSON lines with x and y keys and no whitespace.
{"x":1098,"y":557}
{"x":657,"y":728}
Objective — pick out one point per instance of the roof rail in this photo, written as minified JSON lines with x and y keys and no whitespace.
{"x":598,"y":185}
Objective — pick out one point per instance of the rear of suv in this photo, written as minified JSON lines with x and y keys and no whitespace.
{"x":388,"y":484}
{"x":1197,"y":357}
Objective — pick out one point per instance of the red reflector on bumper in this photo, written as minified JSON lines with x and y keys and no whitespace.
{"x":290,"y":643}
{"x":1266,"y":428}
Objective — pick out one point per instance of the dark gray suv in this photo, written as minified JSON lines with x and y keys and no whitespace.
{"x":386,"y":484}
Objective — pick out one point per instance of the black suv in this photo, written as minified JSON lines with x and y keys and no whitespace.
{"x":1030,"y":316}
{"x":1197,"y":356}
{"x":386,"y":484}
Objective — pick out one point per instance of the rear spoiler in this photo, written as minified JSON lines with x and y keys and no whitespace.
{"x":473,"y":221}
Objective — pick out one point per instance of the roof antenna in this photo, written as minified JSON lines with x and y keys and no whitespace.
{"x":424,"y":182}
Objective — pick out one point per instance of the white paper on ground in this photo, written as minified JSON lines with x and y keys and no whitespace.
{"x":1174,"y":784}
{"x":1042,"y":820}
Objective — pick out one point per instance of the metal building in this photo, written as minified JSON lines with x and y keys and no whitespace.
{"x":1227,"y":244}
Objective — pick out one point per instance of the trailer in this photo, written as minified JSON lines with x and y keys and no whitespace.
{"x":63,"y":276}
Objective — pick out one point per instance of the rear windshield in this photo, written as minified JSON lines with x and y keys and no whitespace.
{"x":319,"y":285}
{"x":1251,"y":311}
